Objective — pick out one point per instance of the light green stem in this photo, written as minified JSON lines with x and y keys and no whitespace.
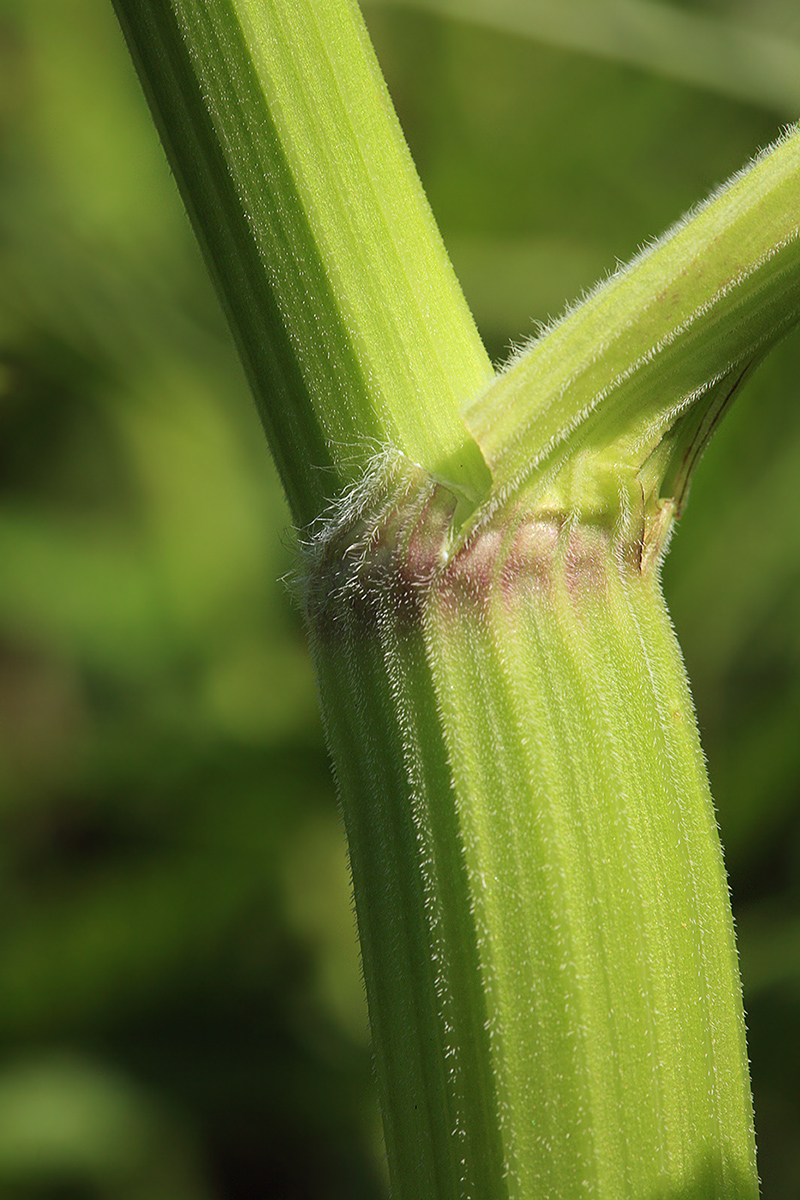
{"x":601,"y":391}
{"x":599,"y":890}
{"x":543,"y":909}
{"x":347,"y":314}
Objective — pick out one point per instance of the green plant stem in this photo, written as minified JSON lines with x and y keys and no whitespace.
{"x":347,"y":314}
{"x":543,"y":910}
{"x":610,"y":386}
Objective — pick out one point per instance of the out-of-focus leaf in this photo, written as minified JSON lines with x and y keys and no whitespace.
{"x":67,"y":1120}
{"x":691,"y":47}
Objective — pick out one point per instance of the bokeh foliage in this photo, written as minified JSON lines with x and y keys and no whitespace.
{"x":180,"y":1002}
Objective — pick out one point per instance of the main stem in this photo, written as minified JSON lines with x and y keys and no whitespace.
{"x":543,"y":911}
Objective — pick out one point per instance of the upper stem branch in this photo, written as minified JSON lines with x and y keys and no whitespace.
{"x":348,"y":317}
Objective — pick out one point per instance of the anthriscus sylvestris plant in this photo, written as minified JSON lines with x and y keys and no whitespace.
{"x":542,"y":906}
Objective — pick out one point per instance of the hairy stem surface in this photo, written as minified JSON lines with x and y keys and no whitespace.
{"x":347,"y":314}
{"x":534,"y":852}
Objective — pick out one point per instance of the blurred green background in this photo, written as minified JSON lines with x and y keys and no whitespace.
{"x":180,"y":1003}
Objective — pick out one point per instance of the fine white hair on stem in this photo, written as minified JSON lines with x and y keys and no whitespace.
{"x":646,"y":250}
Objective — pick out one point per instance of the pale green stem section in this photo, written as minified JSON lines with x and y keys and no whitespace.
{"x":426,"y":997}
{"x":701,"y":50}
{"x":600,"y":896}
{"x":544,"y":915}
{"x":585,"y":405}
{"x":348,"y":317}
